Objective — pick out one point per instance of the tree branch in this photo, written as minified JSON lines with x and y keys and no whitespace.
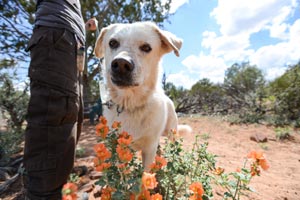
{"x":14,"y":27}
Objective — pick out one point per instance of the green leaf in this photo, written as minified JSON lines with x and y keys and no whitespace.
{"x":136,"y":188}
{"x":118,"y":195}
{"x":101,"y":182}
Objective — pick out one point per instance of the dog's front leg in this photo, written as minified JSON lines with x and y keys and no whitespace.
{"x":148,"y":156}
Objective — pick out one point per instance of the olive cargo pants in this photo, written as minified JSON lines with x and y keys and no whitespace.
{"x":55,"y":113}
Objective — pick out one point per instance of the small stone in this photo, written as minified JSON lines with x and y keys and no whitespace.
{"x":87,"y":187}
{"x":259,"y":137}
{"x":95,"y":175}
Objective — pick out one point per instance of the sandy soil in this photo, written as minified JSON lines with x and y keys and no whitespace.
{"x":231,"y":143}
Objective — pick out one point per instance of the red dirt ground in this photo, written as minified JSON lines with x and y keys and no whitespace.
{"x":231,"y":143}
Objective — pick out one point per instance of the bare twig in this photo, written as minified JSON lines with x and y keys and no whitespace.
{"x":15,"y":28}
{"x":4,"y":186}
{"x":17,"y":161}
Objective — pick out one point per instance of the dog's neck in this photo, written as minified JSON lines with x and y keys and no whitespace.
{"x":131,"y":99}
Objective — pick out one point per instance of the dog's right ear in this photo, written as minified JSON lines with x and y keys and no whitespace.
{"x":99,"y":48}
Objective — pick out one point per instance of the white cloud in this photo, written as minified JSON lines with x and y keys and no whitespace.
{"x":294,"y":33}
{"x":279,"y":31}
{"x":274,"y":72}
{"x":230,"y":47}
{"x":208,"y":39}
{"x":181,"y":79}
{"x":206,"y":66}
{"x":250,"y":17}
{"x":273,"y":58}
{"x":199,"y":67}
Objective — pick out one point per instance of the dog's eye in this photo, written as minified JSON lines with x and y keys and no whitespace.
{"x":146,"y":48}
{"x":114,"y":44}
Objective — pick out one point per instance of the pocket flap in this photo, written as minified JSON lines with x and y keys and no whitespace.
{"x":35,"y":39}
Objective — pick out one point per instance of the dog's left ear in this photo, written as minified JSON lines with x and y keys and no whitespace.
{"x":98,"y":51}
{"x":169,"y":41}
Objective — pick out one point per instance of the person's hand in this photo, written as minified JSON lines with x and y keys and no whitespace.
{"x":91,"y":24}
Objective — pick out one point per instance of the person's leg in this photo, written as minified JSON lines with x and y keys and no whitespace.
{"x":49,"y":147}
{"x":53,"y":111}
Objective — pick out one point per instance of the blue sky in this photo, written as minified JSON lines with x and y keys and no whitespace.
{"x":219,"y":33}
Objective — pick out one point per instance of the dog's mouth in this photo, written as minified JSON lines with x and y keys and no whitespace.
{"x":120,"y":82}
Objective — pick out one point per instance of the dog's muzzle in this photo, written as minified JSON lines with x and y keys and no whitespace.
{"x":122,"y":72}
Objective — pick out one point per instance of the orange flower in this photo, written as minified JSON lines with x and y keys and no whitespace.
{"x":259,"y":158}
{"x":219,"y":171}
{"x":102,"y":167}
{"x":124,"y":154}
{"x":149,"y":180}
{"x":102,"y":130}
{"x":124,"y":134}
{"x":264,"y":164}
{"x":173,"y":131}
{"x":69,"y":191}
{"x":132,"y":196}
{"x":106,"y":193}
{"x":198,"y":191}
{"x":124,"y":141}
{"x":158,"y":163}
{"x":102,"y":152}
{"x":102,"y":120}
{"x":96,"y":161}
{"x":116,"y":125}
{"x":156,"y":196}
{"x":197,"y":187}
{"x":144,"y":195}
{"x":254,"y":170}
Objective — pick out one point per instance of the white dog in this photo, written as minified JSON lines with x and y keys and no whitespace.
{"x":132,"y":53}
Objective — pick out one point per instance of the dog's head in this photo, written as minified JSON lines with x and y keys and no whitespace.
{"x":132,"y":52}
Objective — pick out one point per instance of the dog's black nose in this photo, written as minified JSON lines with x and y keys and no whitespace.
{"x":122,"y":66}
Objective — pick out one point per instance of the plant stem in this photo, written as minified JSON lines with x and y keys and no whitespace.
{"x":237,"y":188}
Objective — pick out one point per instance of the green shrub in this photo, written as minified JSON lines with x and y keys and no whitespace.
{"x":283,"y":133}
{"x":184,"y":168}
{"x":9,"y":144}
